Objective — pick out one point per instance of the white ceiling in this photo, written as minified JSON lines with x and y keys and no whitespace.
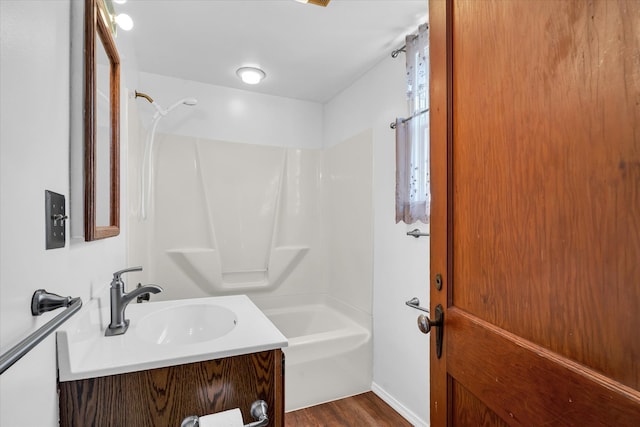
{"x":308,"y":52}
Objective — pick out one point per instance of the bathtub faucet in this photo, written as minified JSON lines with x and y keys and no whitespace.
{"x":120,"y":299}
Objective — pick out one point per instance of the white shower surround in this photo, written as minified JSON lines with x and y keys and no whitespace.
{"x":232,"y":218}
{"x":269,"y":222}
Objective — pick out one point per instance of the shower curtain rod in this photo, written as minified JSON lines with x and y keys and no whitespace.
{"x":393,"y":124}
{"x":396,"y":52}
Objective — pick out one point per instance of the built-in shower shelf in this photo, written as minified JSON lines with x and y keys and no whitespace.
{"x":241,"y":277}
{"x":190,"y":250}
{"x":204,"y":267}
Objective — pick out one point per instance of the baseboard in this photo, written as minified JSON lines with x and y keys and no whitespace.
{"x":398,"y":407}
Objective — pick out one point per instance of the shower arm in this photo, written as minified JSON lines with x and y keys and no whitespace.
{"x":144,"y":95}
{"x":159,"y":110}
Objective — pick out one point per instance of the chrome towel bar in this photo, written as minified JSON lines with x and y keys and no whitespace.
{"x":41,"y":301}
{"x":416,"y":233}
{"x":393,"y":124}
{"x":415,"y":303}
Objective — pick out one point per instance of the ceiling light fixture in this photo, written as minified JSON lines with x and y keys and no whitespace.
{"x":124,"y":21}
{"x":251,"y":75}
{"x":120,"y":1}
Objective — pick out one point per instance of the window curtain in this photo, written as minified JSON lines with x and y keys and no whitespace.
{"x":413,"y":185}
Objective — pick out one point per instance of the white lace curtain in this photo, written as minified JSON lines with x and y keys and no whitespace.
{"x":413,"y":188}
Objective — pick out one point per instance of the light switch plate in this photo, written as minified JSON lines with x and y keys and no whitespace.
{"x":55,"y":219}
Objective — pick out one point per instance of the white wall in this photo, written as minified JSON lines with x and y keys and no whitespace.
{"x":34,"y":156}
{"x":226,"y":114}
{"x":400,"y":262}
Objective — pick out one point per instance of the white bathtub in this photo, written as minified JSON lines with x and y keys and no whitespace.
{"x":329,"y":354}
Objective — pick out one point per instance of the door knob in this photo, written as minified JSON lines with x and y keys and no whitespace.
{"x":425,"y":324}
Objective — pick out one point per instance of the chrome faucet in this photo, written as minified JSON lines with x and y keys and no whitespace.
{"x":120,"y":299}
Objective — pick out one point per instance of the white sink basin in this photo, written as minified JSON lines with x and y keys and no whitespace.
{"x":164,"y":333}
{"x":186,"y":324}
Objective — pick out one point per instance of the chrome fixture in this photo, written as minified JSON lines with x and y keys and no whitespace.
{"x":258,"y":412}
{"x":143,"y":297}
{"x":415,"y":303}
{"x":393,"y":125}
{"x":395,"y":53}
{"x":41,"y":302}
{"x":425,"y":323}
{"x":417,"y":233}
{"x":120,"y":299}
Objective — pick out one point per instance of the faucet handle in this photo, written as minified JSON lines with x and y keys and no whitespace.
{"x":117,"y":274}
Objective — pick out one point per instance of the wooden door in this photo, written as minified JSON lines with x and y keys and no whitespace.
{"x":535,"y":109}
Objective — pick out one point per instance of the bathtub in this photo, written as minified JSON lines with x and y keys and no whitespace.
{"x":329,"y":354}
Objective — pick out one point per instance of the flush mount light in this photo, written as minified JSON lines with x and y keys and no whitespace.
{"x":120,"y":1}
{"x":124,"y":21}
{"x":251,"y":75}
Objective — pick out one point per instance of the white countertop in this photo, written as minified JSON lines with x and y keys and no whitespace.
{"x":84,"y":351}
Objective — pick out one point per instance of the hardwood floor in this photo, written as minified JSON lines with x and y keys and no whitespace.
{"x":362,"y":410}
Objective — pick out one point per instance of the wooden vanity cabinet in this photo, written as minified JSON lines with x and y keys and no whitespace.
{"x":165,"y":396}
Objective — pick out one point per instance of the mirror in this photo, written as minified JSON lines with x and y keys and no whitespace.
{"x":101,"y":124}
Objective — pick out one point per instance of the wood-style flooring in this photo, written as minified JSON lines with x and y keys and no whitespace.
{"x":362,"y":410}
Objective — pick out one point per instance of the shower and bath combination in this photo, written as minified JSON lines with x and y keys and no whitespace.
{"x":147,"y":165}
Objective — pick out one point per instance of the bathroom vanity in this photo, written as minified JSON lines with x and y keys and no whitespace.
{"x":177,"y":359}
{"x":165,"y":396}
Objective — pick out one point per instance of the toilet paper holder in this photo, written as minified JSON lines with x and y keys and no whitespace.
{"x":258,"y":411}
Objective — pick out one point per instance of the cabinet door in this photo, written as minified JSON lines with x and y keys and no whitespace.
{"x":165,"y":396}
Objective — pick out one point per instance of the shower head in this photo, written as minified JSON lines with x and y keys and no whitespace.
{"x":160,"y":112}
{"x":186,"y":101}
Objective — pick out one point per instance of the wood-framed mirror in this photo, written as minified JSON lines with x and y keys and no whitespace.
{"x":101,"y":124}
